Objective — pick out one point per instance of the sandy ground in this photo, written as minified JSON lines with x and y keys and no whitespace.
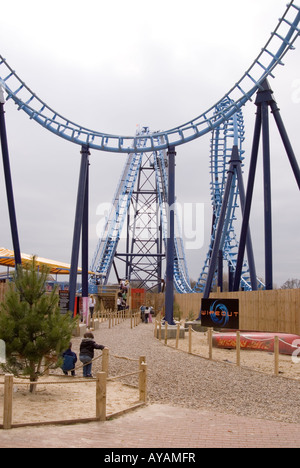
{"x":60,"y":401}
{"x":256,"y":360}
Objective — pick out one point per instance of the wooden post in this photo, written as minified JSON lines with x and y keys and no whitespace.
{"x":238,"y":348}
{"x":276,"y":355}
{"x":177,"y":335}
{"x":155,"y":329}
{"x":143,"y":382}
{"x":210,"y":335}
{"x":159,"y":332}
{"x":101,"y":396}
{"x":8,"y":401}
{"x":166,"y":333}
{"x":142,"y":360}
{"x":190,"y":339}
{"x":105,"y":360}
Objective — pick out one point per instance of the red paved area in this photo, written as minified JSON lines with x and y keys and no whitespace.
{"x":160,"y":426}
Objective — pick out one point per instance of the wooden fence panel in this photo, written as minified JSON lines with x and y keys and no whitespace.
{"x":295,"y":302}
{"x":273,"y":311}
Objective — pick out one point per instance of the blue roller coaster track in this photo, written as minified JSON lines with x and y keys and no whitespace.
{"x":281,"y":41}
{"x":227,"y":135}
{"x":224,"y":137}
{"x":224,"y":120}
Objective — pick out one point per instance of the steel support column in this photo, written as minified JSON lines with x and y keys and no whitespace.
{"x":248,"y":201}
{"x":8,"y":183}
{"x":78,"y":223}
{"x":216,"y":248}
{"x":85,"y":239}
{"x":267,"y":198}
{"x":286,"y":141}
{"x":220,"y":270}
{"x":250,"y":253}
{"x":169,"y":296}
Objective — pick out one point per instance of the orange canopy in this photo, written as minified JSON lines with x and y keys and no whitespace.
{"x":7,"y":258}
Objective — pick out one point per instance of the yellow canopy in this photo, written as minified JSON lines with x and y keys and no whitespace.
{"x":7,"y":258}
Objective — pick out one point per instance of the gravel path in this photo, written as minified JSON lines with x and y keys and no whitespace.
{"x":182,"y":380}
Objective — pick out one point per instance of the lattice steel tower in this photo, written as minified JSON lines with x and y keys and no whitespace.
{"x":144,"y":246}
{"x":141,"y":201}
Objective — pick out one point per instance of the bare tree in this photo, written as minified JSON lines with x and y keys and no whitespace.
{"x":293,"y":283}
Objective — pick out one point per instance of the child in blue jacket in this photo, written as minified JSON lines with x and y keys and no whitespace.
{"x":70,"y":360}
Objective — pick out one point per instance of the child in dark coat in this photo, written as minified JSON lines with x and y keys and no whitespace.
{"x":70,"y":360}
{"x":87,"y":347}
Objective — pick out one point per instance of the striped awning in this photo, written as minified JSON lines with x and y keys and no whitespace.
{"x":7,"y":258}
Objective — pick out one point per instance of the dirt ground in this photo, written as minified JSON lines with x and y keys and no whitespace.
{"x":257,"y":360}
{"x":61,"y":401}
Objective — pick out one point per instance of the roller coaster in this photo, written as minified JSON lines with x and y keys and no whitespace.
{"x":224,"y":121}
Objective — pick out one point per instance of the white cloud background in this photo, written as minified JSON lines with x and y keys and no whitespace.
{"x":112,"y":65}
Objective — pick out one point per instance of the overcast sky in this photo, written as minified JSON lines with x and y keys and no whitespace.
{"x":113,"y":65}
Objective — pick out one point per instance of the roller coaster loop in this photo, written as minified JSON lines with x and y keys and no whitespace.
{"x":280,"y":43}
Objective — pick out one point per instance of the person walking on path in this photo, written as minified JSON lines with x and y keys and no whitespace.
{"x":92,"y":304}
{"x":87,"y":352}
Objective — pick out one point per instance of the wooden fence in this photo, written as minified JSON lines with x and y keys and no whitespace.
{"x":238,"y":346}
{"x":272,"y":311}
{"x":100,"y":394}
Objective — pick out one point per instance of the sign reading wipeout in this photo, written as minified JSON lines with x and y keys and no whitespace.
{"x":220,"y":313}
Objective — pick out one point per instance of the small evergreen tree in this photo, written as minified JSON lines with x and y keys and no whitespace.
{"x":31,"y":324}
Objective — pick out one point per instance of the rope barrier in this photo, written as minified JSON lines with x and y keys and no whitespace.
{"x":79,"y":366}
{"x":56,"y":383}
{"x":291,"y":345}
{"x":101,"y":391}
{"x":110,"y":379}
{"x":239,"y":346}
{"x":124,"y":358}
{"x":260,"y":340}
